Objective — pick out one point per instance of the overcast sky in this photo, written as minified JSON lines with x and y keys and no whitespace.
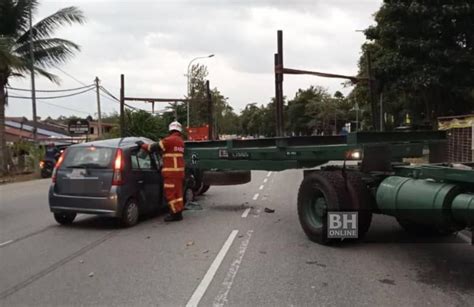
{"x":152,"y":42}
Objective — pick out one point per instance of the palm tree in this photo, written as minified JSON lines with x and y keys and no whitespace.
{"x":15,"y":60}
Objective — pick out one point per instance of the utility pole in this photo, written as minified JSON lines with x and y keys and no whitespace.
{"x":382,"y":123}
{"x":99,"y":116}
{"x":357,"y":116}
{"x":279,"y":85}
{"x":32,"y":67}
{"x":373,"y":104}
{"x":122,"y":106}
{"x":210,"y":111}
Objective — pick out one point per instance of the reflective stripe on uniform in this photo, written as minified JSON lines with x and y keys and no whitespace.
{"x":173,"y":209}
{"x":174,"y":201}
{"x":162,"y":145}
{"x":175,"y":162}
{"x":168,"y":185}
{"x":173,"y":169}
{"x":172,"y":155}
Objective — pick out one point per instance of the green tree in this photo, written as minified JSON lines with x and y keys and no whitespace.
{"x":423,"y":57}
{"x":15,"y":58}
{"x":198,"y":96}
{"x":145,"y":124}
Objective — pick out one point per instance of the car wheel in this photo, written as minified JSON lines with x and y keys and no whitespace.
{"x":130,"y":213}
{"x":64,"y":218}
{"x":203,"y":189}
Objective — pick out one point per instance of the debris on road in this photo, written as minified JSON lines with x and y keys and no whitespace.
{"x":268,"y":210}
{"x":81,"y":261}
{"x":148,"y":237}
{"x":240,"y":236}
{"x":189,"y":243}
{"x":206,"y":251}
{"x":262,"y":252}
{"x":387,"y":281}
{"x":91,"y":274}
{"x":316,"y":262}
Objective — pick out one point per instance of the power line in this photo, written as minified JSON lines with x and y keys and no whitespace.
{"x":66,"y":108}
{"x":50,"y":91}
{"x":53,"y":97}
{"x":70,"y":76}
{"x":108,"y":93}
{"x":80,"y":82}
{"x":61,"y":107}
{"x":118,"y":101}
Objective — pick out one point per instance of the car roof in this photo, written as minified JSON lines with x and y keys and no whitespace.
{"x":126,"y":142}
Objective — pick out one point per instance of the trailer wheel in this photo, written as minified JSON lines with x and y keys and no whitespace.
{"x":319,"y":193}
{"x":361,"y":201}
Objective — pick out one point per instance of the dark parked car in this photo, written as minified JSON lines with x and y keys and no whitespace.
{"x":108,"y":178}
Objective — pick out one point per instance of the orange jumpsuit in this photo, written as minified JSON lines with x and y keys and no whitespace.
{"x":172,"y":148}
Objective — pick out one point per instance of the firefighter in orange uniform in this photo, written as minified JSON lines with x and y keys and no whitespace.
{"x":172,"y":150}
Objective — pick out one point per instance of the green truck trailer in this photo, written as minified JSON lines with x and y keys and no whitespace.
{"x":435,"y":198}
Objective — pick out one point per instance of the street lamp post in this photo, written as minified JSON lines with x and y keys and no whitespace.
{"x":189,"y":83}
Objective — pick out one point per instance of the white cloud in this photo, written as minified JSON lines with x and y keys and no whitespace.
{"x":151,"y":42}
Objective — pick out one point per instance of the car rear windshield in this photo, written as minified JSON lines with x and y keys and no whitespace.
{"x":89,"y":157}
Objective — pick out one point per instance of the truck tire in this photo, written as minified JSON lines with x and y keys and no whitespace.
{"x":361,"y":201}
{"x":226,"y":177}
{"x":319,"y":193}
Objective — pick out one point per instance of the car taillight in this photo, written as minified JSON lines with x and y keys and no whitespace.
{"x":118,"y":168}
{"x":57,"y":166}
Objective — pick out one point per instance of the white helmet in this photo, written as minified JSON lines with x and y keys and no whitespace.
{"x":175,"y":126}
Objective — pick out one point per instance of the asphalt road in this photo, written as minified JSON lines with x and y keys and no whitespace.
{"x":230,"y":253}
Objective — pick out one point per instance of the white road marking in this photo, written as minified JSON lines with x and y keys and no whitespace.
{"x":269,"y":174}
{"x":464,"y":237}
{"x":221,"y":298}
{"x":265,"y":180}
{"x":261,"y":187}
{"x":6,"y":243}
{"x":255,"y":196}
{"x":211,"y":272}
{"x":246,"y":213}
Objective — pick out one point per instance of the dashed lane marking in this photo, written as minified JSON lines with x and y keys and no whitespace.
{"x":6,"y":243}
{"x":206,"y":281}
{"x":269,"y":174}
{"x":255,"y":197}
{"x":246,"y":213}
{"x":261,"y":187}
{"x":265,"y":180}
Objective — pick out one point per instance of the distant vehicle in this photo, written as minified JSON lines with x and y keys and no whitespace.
{"x":50,"y":158}
{"x":108,"y":178}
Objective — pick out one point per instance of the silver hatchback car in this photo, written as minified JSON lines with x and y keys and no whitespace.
{"x":108,"y":178}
